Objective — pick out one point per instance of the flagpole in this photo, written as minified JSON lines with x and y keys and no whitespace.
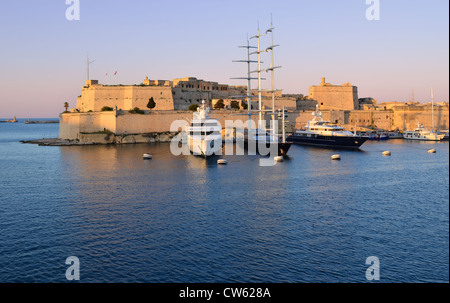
{"x":88,"y":63}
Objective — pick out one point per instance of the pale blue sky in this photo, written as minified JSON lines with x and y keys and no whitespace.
{"x":43,"y":55}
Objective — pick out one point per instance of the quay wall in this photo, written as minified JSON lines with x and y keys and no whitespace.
{"x":74,"y":126}
{"x":398,"y":118}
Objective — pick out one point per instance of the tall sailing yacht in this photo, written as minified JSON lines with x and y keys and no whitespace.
{"x":260,"y":140}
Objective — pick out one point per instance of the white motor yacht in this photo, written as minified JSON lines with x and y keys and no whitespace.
{"x":420,"y":133}
{"x":204,"y":135}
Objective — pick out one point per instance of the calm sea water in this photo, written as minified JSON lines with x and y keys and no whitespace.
{"x":186,"y":219}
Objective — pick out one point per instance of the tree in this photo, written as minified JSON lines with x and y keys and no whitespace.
{"x":107,"y":109}
{"x":151,"y":103}
{"x":219,"y":104}
{"x":66,"y":105}
{"x":136,"y":110}
{"x":193,"y":107}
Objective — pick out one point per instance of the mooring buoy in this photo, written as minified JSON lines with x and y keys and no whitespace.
{"x":335,"y":157}
{"x":222,"y":162}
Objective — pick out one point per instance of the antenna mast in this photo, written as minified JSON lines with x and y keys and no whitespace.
{"x":88,"y":63}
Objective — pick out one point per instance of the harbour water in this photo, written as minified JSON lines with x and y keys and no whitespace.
{"x":187,"y":219}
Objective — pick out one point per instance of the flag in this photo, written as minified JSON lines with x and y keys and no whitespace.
{"x":115,"y":73}
{"x":106,"y":73}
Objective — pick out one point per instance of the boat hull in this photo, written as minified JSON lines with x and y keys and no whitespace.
{"x":328,"y":141}
{"x":204,"y":147}
{"x":261,"y":148}
{"x":424,"y":138}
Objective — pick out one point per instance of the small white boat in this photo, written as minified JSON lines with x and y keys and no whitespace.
{"x":432,"y":151}
{"x":147,"y":156}
{"x":386,"y":153}
{"x":222,"y":162}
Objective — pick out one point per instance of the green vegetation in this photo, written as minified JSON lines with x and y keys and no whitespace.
{"x":107,"y":131}
{"x":219,"y":104}
{"x":107,"y":109}
{"x":234,"y":105}
{"x":136,"y":110}
{"x":66,"y":106}
{"x":193,"y":107}
{"x":151,"y":103}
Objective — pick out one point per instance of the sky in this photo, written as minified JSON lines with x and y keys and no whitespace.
{"x":43,"y":54}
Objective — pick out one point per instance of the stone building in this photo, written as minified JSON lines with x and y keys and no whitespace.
{"x":178,"y":94}
{"x":340,"y":97}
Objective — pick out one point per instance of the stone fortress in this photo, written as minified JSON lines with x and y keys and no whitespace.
{"x":177,"y":94}
{"x":339,"y":103}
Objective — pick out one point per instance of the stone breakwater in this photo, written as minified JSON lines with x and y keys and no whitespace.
{"x":106,"y":138}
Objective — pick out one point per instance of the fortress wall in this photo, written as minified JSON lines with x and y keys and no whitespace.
{"x":72,"y":124}
{"x":158,"y":122}
{"x":288,"y":103}
{"x":124,"y":97}
{"x":335,"y":97}
{"x":161,"y":95}
{"x":407,"y":118}
{"x":304,"y":105}
{"x":184,"y":98}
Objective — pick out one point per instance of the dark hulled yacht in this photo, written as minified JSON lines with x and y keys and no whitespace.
{"x":322,"y":133}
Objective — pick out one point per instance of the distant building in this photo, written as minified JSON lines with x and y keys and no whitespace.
{"x":177,"y":94}
{"x":339,"y":97}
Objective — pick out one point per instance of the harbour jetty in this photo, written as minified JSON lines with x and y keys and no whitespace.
{"x":41,"y":122}
{"x":14,"y":120}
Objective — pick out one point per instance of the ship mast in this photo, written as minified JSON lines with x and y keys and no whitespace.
{"x":258,"y":52}
{"x":272,"y":70}
{"x":432,"y":108}
{"x":248,"y":96}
